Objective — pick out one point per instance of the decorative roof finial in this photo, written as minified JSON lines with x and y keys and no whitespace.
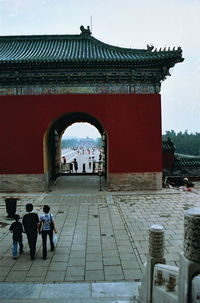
{"x":85,"y":31}
{"x":150,"y":47}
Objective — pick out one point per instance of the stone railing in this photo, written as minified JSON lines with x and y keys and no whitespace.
{"x":169,"y":284}
{"x":165,"y":283}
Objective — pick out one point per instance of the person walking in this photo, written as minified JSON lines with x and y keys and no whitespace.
{"x":64,"y":163}
{"x":17,"y":230}
{"x":75,"y":165}
{"x":30,"y":223}
{"x":47,"y":227}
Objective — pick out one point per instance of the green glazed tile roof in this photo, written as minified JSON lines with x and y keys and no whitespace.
{"x":186,"y":161}
{"x":79,"y":48}
{"x":168,"y":146}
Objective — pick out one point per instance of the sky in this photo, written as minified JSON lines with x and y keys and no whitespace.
{"x":128,"y":23}
{"x":82,"y":130}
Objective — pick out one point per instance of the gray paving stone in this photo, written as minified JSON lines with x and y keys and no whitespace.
{"x":35,"y":279}
{"x":111,"y":261}
{"x":2,"y":277}
{"x":62,"y":250}
{"x":60,"y":258}
{"x":94,"y":265}
{"x":22,"y":266}
{"x":94,"y":256}
{"x":113,"y":270}
{"x":77,"y":254}
{"x":60,"y":290}
{"x":94,"y":243}
{"x":110,"y":253}
{"x":75,"y":271}
{"x":76,"y":262}
{"x":70,"y":278}
{"x":132,"y":274}
{"x":86,"y":220}
{"x":37,"y":272}
{"x":125,"y":249}
{"x":56,"y":276}
{"x":58,"y":266}
{"x":114,"y":278}
{"x":4,"y":270}
{"x":18,"y":276}
{"x":93,"y":249}
{"x":78,"y":247}
{"x":130,"y":264}
{"x":94,"y":275}
{"x":19,"y":291}
{"x":127,"y":256}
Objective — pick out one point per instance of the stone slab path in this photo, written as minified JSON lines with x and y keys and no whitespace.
{"x":102,"y":236}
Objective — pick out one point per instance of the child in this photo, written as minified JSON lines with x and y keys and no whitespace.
{"x":17,"y":230}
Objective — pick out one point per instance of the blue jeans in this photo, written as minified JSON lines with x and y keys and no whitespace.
{"x":15,"y":247}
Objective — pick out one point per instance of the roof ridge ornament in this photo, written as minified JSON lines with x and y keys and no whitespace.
{"x":85,"y":31}
{"x":150,"y":47}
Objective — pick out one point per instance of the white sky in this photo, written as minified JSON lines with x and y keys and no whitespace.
{"x":81,"y":130}
{"x":127,"y":23}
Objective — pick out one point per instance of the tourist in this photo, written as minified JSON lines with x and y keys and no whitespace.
{"x":89,"y":162}
{"x":47,"y":227}
{"x":75,"y":165}
{"x":100,"y":157}
{"x":64,"y":163}
{"x":17,"y":230}
{"x":30,"y":222}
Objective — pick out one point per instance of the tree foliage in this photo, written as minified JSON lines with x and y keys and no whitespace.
{"x":185,"y":143}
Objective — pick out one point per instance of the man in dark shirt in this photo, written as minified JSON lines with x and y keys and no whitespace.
{"x":31,"y":224}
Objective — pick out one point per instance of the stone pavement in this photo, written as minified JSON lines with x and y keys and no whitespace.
{"x":102,"y":236}
{"x":113,"y":292}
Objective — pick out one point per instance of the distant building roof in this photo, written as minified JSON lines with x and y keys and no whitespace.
{"x":186,"y":161}
{"x":168,"y":146}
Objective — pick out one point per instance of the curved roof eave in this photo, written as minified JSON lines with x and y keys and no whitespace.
{"x":77,"y":48}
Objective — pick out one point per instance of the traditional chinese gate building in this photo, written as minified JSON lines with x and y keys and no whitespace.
{"x":50,"y":82}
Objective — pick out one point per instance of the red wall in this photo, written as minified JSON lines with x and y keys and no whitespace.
{"x":132,"y":122}
{"x":168,"y":160}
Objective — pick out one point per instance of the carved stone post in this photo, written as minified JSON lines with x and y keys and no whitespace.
{"x":156,"y":241}
{"x":156,"y":255}
{"x":190,"y":258}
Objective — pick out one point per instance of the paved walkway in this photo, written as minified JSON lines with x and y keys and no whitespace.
{"x":103,"y":236}
{"x":113,"y":292}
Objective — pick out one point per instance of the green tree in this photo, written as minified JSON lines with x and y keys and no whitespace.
{"x":185,"y":143}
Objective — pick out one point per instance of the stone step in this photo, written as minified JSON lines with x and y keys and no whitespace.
{"x":94,"y":292}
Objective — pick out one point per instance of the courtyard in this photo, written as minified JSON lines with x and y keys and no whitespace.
{"x":102,"y":236}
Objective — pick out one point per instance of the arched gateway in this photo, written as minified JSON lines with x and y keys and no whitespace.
{"x":52,"y":147}
{"x":52,"y":80}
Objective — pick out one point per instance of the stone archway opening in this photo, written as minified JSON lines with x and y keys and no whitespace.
{"x":53,"y":155}
{"x":81,"y":150}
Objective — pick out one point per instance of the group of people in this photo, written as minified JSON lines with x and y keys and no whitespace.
{"x":72,"y":165}
{"x":32,"y":225}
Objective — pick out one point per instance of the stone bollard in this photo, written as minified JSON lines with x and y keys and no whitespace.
{"x":190,"y":258}
{"x":156,"y":241}
{"x":156,"y":255}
